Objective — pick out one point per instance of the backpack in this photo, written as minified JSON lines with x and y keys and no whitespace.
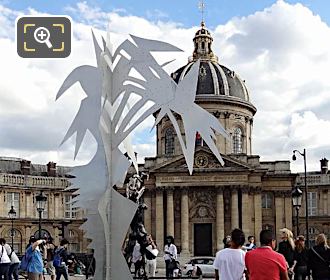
{"x":25,"y":261}
{"x":57,"y":262}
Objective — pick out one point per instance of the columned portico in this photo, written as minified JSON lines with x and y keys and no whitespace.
{"x":246,"y":215}
{"x":257,"y":211}
{"x":184,"y":222}
{"x":170,"y":212}
{"x":220,"y":225}
{"x":159,"y":217}
{"x":279,"y":207}
{"x":147,"y":213}
{"x":234,"y":208}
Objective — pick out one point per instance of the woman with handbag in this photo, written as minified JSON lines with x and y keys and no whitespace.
{"x":4,"y":261}
{"x":14,"y":261}
{"x":319,"y":259}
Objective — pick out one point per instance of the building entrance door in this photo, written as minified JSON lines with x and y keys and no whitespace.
{"x":203,"y":239}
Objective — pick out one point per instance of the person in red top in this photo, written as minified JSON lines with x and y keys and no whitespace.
{"x":264,"y":263}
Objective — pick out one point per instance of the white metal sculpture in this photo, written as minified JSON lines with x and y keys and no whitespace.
{"x":104,"y":112}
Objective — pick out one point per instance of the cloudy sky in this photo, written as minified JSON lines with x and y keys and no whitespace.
{"x":281,"y":49}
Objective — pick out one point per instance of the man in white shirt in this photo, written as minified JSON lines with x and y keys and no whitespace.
{"x":229,"y":263}
{"x":170,"y":255}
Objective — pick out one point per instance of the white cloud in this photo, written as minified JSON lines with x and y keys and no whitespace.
{"x":283,"y":53}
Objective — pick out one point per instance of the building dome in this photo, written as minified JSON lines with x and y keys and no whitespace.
{"x":221,"y":92}
{"x":214,"y":78}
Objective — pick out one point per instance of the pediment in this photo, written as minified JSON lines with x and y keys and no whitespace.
{"x":204,"y":159}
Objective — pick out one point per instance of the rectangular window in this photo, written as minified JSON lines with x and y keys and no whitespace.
{"x":267,"y":200}
{"x":13,"y":200}
{"x":312,"y":203}
{"x":70,"y":210}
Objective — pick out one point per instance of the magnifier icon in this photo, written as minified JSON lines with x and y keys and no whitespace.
{"x":41,"y":35}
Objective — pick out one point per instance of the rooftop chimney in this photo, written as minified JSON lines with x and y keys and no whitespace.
{"x":324,"y":166}
{"x":51,"y":169}
{"x":25,"y":167}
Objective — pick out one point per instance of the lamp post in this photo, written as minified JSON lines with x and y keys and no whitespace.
{"x":303,"y":154}
{"x":296,"y":202}
{"x":41,"y":203}
{"x":12,"y":216}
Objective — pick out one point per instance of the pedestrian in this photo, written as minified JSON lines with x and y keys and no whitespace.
{"x":4,"y":260}
{"x":264,"y":263}
{"x":229,"y":263}
{"x":151,"y":256}
{"x":50,"y":251}
{"x":61,"y":252}
{"x":196,"y":270}
{"x":170,"y":256}
{"x":14,"y":261}
{"x":319,"y":258}
{"x":226,"y":241}
{"x":300,"y":259}
{"x":137,"y":259}
{"x":286,"y":248}
{"x":35,"y":250}
{"x":251,"y":245}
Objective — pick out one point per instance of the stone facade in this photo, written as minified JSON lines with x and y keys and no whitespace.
{"x":319,"y":201}
{"x":20,"y":183}
{"x":216,"y":199}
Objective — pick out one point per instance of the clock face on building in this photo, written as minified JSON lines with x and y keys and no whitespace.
{"x":201,"y":161}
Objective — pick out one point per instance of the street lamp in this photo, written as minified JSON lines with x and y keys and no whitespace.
{"x":12,"y":216}
{"x":41,"y":204}
{"x":303,"y":154}
{"x":296,"y":202}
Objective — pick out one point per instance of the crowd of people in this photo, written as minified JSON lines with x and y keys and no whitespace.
{"x":41,"y":257}
{"x":291,"y":260}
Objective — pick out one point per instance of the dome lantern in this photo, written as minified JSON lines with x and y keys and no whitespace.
{"x":203,"y":45}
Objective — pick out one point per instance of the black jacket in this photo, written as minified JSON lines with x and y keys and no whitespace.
{"x":286,"y":250}
{"x":320,"y":269}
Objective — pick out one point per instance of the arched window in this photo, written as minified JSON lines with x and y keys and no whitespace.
{"x":237,"y":141}
{"x":169,"y":141}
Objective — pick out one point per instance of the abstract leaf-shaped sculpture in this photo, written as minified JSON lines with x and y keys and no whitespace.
{"x":109,"y":213}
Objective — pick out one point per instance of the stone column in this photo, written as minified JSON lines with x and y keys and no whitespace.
{"x":288,"y":210}
{"x":184,"y":223}
{"x":257,"y":213}
{"x":220,"y":224}
{"x":2,"y":199}
{"x":320,"y":207}
{"x":246,"y":214}
{"x":170,"y":212}
{"x":147,"y":212}
{"x":328,"y":204}
{"x":22,"y":205}
{"x":50,"y":205}
{"x":159,"y":218}
{"x":56,"y":206}
{"x":234,"y":209}
{"x":279,"y":207}
{"x":29,"y":205}
{"x":325,"y":195}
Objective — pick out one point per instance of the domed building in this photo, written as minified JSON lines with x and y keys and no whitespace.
{"x":199,"y":210}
